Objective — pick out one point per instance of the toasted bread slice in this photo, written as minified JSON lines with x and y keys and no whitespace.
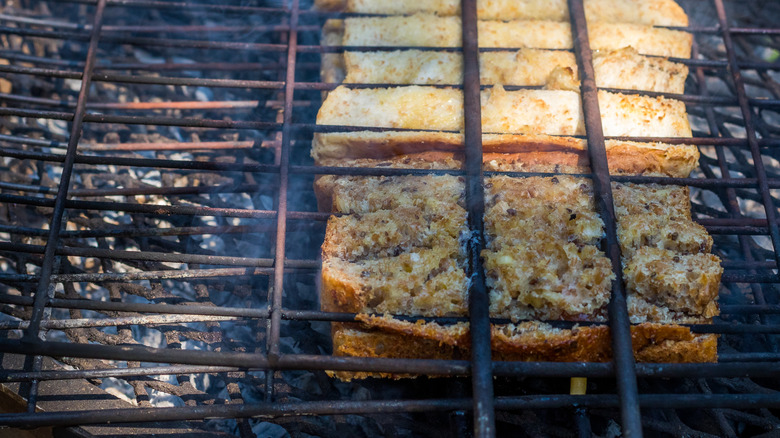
{"x":652,"y":12}
{"x":400,"y":250}
{"x":542,"y":120}
{"x":430,"y":30}
{"x":623,"y":69}
{"x":541,"y":258}
{"x":529,"y":341}
{"x":551,"y":112}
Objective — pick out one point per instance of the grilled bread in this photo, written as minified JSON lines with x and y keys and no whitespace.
{"x":525,"y":153}
{"x":542,"y":262}
{"x":540,"y":121}
{"x":652,"y":12}
{"x":398,"y":247}
{"x":399,"y":250}
{"x":430,"y":30}
{"x":551,"y":112}
{"x":624,"y":69}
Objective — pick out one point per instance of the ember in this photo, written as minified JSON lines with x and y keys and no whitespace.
{"x":160,"y":240}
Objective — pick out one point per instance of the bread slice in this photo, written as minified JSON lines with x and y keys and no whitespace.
{"x":551,"y":112}
{"x":541,"y":256}
{"x":399,"y":250}
{"x":626,"y":69}
{"x":542,"y":120}
{"x":623,"y":68}
{"x":542,"y":262}
{"x":506,"y":153}
{"x":430,"y":30}
{"x":388,"y":260}
{"x":387,"y":337}
{"x":652,"y":12}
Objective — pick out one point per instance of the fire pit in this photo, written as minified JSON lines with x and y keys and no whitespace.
{"x":159,"y":238}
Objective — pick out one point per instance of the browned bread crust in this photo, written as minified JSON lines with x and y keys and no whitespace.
{"x":503,"y":152}
{"x":529,"y":341}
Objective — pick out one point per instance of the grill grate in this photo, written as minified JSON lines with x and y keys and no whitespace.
{"x":158,"y":228}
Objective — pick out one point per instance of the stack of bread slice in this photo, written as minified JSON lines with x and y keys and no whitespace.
{"x":396,"y":250}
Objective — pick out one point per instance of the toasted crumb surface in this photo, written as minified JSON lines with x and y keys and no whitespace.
{"x":686,"y":283}
{"x":542,"y":261}
{"x":400,"y":250}
{"x":651,"y":199}
{"x":669,"y":272}
{"x":678,"y":234}
{"x":541,"y":249}
{"x":367,"y":194}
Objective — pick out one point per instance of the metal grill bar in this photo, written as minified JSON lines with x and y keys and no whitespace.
{"x":729,"y":368}
{"x":482,"y":376}
{"x":52,"y":242}
{"x":42,"y":292}
{"x":623,"y":353}
{"x":277,"y":293}
{"x":275,"y":410}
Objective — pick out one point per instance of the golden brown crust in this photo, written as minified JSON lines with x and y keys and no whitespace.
{"x":533,"y":341}
{"x":503,"y":152}
{"x":635,"y":159}
{"x":528,"y":341}
{"x":351,"y":341}
{"x":456,"y":335}
{"x":672,"y":343}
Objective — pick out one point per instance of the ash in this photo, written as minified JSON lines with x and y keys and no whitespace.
{"x":249,"y":240}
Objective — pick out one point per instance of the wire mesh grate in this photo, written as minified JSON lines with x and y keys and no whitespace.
{"x":159,"y":233}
